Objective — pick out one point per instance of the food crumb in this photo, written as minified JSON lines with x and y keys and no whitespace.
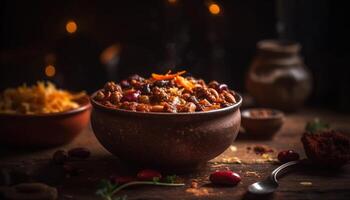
{"x":233,"y":148}
{"x":262,"y":149}
{"x":306,"y":183}
{"x":232,"y":160}
{"x":198,"y":192}
{"x":252,"y":173}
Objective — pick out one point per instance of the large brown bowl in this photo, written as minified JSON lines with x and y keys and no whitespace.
{"x":44,"y":130}
{"x":169,"y":140}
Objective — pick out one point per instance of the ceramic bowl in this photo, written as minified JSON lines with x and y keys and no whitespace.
{"x":262,"y":127}
{"x":44,"y":130}
{"x":169,"y":140}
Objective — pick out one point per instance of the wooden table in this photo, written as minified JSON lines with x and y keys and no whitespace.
{"x":320,"y":184}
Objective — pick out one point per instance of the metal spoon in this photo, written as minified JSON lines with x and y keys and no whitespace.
{"x":270,"y":184}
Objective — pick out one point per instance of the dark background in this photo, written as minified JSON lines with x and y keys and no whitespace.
{"x":154,"y":36}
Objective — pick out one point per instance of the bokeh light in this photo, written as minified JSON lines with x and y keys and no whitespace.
{"x":50,"y":70}
{"x":71,"y":27}
{"x":214,"y":8}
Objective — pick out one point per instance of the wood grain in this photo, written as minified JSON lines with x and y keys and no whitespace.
{"x":325,"y":184}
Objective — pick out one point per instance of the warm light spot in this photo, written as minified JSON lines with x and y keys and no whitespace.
{"x":172,"y":1}
{"x":214,"y":8}
{"x":50,"y":70}
{"x":71,"y":27}
{"x":110,"y":53}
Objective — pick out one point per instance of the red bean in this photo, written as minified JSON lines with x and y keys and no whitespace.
{"x":131,"y":95}
{"x":222,"y":87}
{"x":60,"y":156}
{"x":79,"y":152}
{"x":148,"y":175}
{"x":121,"y":179}
{"x":226,"y":177}
{"x":287,"y":156}
{"x":125,"y":83}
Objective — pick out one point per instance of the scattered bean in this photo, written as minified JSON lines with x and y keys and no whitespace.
{"x":226,"y":177}
{"x":60,"y":156}
{"x":131,"y":95}
{"x":287,"y":156}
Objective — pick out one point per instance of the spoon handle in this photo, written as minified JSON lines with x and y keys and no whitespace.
{"x":275,"y":172}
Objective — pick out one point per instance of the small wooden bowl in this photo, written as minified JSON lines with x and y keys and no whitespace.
{"x":44,"y":130}
{"x":262,"y":127}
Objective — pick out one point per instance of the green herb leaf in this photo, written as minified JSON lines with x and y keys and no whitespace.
{"x":156,"y":179}
{"x":316,"y":125}
{"x":170,"y":179}
{"x":105,"y":189}
{"x":124,"y":197}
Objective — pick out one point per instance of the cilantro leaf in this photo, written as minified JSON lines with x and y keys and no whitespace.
{"x":316,"y":125}
{"x":170,"y":179}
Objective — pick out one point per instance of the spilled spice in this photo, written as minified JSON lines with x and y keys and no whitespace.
{"x":252,"y":174}
{"x":305,"y":183}
{"x":261,"y":149}
{"x":198,"y":192}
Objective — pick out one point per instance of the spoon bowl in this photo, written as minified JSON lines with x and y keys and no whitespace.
{"x":270,"y":184}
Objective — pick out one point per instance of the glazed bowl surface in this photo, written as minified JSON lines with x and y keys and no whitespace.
{"x":44,"y":130}
{"x":170,"y":140}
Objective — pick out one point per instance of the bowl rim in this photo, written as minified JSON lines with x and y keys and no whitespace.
{"x":85,"y":105}
{"x":278,"y":114}
{"x":98,"y":105}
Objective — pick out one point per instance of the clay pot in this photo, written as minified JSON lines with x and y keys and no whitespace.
{"x":277,"y":77}
{"x":177,"y":141}
{"x":44,"y":130}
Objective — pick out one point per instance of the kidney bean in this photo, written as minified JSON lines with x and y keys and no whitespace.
{"x":99,"y":96}
{"x":194,"y":100}
{"x":116,"y":97}
{"x":213,"y":84}
{"x":112,"y":87}
{"x":129,"y":105}
{"x":120,"y":180}
{"x":157,"y":108}
{"x":287,"y":156}
{"x":148,"y":175}
{"x":169,"y":108}
{"x":214,"y":93}
{"x":59,"y":157}
{"x":226,"y":177}
{"x":229,"y":97}
{"x":136,"y":84}
{"x":143,"y":107}
{"x":222,"y":87}
{"x":190,"y":107}
{"x":135,"y":77}
{"x":131,"y":95}
{"x":125,"y":84}
{"x":79,"y":152}
{"x":144,"y":99}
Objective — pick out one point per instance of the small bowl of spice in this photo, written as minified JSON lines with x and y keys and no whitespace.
{"x":262,"y":123}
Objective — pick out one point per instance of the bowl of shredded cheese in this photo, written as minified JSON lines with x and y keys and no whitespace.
{"x":42,"y":115}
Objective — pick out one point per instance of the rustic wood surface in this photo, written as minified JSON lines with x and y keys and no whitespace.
{"x":325,"y":184}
